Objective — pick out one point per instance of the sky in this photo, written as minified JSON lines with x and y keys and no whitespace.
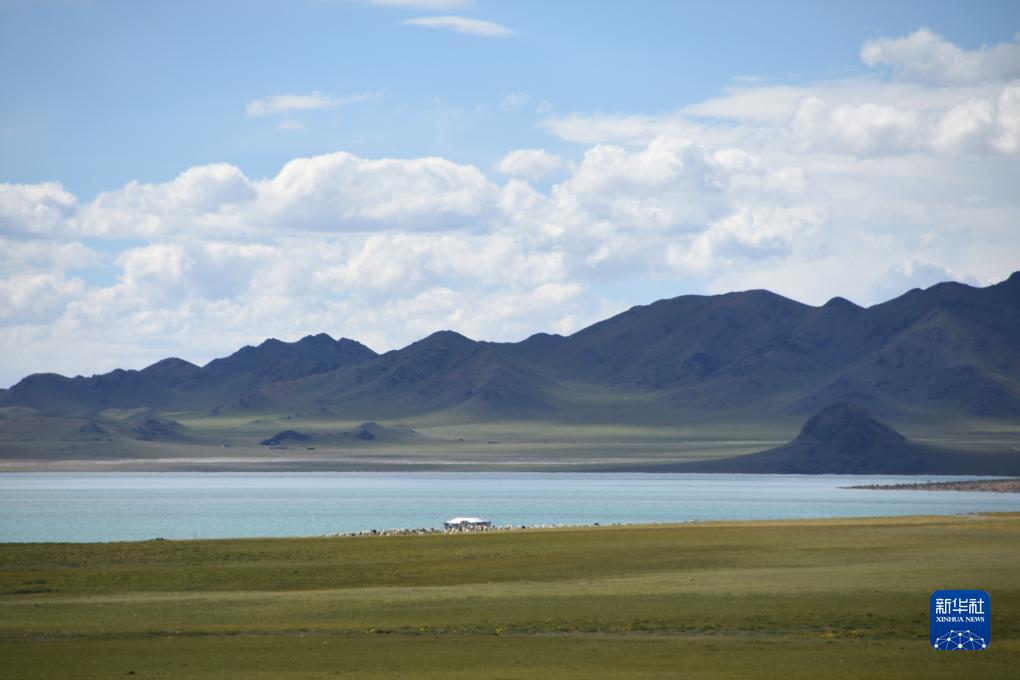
{"x":185,"y":178}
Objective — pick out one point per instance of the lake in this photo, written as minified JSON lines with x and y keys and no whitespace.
{"x":136,"y":506}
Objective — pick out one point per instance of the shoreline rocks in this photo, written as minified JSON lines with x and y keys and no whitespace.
{"x":987,"y":485}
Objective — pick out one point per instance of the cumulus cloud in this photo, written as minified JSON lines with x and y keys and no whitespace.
{"x":202,"y":198}
{"x":673,"y":207}
{"x":864,"y":130}
{"x":331,"y":192}
{"x":530,"y":164}
{"x":927,"y":56}
{"x":35,"y":208}
{"x":671,"y":184}
{"x":855,"y":118}
{"x":341,"y":191}
{"x":972,"y":126}
{"x":750,"y":233}
{"x":1007,"y":140}
{"x":858,"y":187}
{"x":459,"y":24}
{"x":388,"y":266}
{"x":981,"y":125}
{"x":290,"y":103}
{"x":19,"y":256}
{"x":199,"y":299}
{"x":32,"y":298}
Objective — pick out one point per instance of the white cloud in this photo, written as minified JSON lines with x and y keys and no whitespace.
{"x":331,"y":192}
{"x":928,"y":56}
{"x":291,"y":125}
{"x":758,"y":103}
{"x":35,"y":208}
{"x":163,"y":262}
{"x":341,"y":191}
{"x":958,"y":104}
{"x":851,"y":117}
{"x":854,"y":187}
{"x":394,"y":265}
{"x":750,"y":233}
{"x":980,"y":126}
{"x":201,"y":199}
{"x":463,"y":25}
{"x":765,"y":105}
{"x":199,"y":299}
{"x":31,"y":298}
{"x":977,"y":125}
{"x":530,"y":164}
{"x":864,"y":130}
{"x":21,"y":256}
{"x":1007,"y":140}
{"x":670,"y":184}
{"x":289,"y":103}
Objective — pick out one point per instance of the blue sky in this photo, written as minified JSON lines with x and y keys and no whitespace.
{"x":598,"y":154}
{"x":100,"y":93}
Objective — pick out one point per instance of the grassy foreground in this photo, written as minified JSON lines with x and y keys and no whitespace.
{"x":841,"y":598}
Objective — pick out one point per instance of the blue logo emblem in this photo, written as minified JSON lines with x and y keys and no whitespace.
{"x":960,"y":620}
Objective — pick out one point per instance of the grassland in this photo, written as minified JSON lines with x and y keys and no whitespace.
{"x":231,"y":443}
{"x":843,"y":598}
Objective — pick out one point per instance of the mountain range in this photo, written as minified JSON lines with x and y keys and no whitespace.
{"x":951,"y":351}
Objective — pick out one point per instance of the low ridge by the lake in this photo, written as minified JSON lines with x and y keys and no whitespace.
{"x":85,"y":507}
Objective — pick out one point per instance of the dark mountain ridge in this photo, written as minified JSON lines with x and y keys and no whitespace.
{"x":445,"y":371}
{"x":177,"y":384}
{"x":950,"y":351}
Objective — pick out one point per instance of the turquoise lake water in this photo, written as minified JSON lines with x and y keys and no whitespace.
{"x":138,"y":506}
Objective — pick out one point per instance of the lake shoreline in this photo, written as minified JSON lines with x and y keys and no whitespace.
{"x":862,"y":520}
{"x":117,"y":506}
{"x":245,"y":465}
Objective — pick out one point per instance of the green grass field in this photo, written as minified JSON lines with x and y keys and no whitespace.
{"x":842,"y":598}
{"x":231,"y":443}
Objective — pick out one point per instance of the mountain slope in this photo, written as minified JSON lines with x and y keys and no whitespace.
{"x":443,"y":372}
{"x":951,"y":349}
{"x":949,"y":352}
{"x":846,"y":439}
{"x":177,"y":384}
